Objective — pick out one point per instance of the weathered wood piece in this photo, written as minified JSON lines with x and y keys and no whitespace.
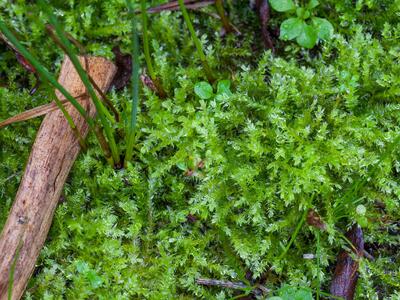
{"x":346,"y":272}
{"x":52,"y":156}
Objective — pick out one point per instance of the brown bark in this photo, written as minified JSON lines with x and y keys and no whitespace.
{"x":52,"y":156}
{"x":344,"y":280}
{"x":264,"y":14}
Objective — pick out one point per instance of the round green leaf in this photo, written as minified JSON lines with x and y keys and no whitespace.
{"x":282,"y":5}
{"x":291,"y":28}
{"x":288,"y":292}
{"x":224,"y":87}
{"x":303,"y":295}
{"x":307,"y":37}
{"x":323,"y":27}
{"x":312,"y":4}
{"x":203,"y":89}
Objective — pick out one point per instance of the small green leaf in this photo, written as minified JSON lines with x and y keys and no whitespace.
{"x":291,"y":28}
{"x":203,"y":89}
{"x":300,"y":12}
{"x":312,"y":4}
{"x":362,"y":221}
{"x":288,"y":292}
{"x":282,"y":5}
{"x":307,"y":37}
{"x":323,"y":27}
{"x":223,"y":87}
{"x":182,"y":166}
{"x":303,"y":294}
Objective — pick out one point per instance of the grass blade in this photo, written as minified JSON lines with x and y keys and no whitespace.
{"x":225,"y":21}
{"x":101,"y":110}
{"x":294,"y":235}
{"x":50,"y":29}
{"x":199,"y":47}
{"x":49,"y":78}
{"x":146,"y":49}
{"x":135,"y":84}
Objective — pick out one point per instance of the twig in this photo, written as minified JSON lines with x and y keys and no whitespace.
{"x":221,"y":12}
{"x":368,"y":255}
{"x":222,"y":283}
{"x":257,"y":290}
{"x":35,"y":112}
{"x":174,"y":5}
{"x":264,"y":14}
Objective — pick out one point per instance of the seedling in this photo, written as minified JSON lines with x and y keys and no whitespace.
{"x":305,"y":28}
{"x":205,"y":91}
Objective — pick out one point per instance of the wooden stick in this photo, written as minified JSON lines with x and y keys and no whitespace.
{"x":52,"y":156}
{"x":257,"y":290}
{"x":35,"y":112}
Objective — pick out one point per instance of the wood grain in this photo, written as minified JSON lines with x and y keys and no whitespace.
{"x":345,"y":278}
{"x":53,"y":154}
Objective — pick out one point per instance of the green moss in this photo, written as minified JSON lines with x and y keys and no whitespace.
{"x":298,"y":130}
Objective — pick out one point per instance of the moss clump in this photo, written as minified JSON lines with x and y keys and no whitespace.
{"x":218,"y":185}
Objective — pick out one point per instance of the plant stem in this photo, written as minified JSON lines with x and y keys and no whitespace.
{"x":135,"y":85}
{"x":101,"y":110}
{"x":197,"y":43}
{"x":50,"y":29}
{"x":71,"y":123}
{"x":103,"y":144}
{"x":225,"y":21}
{"x":318,"y":264}
{"x":146,"y":49}
{"x":294,"y":235}
{"x":45,"y":74}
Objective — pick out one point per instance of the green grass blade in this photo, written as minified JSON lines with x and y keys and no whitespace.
{"x":221,"y":12}
{"x":318,"y":292}
{"x":146,"y":48}
{"x":71,"y":123}
{"x":199,"y":47}
{"x":51,"y":31}
{"x":47,"y":77}
{"x":101,"y":110}
{"x":294,"y":235}
{"x":135,"y":84}
{"x":44,"y":74}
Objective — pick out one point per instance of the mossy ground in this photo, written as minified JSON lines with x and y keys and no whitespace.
{"x":300,"y":128}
